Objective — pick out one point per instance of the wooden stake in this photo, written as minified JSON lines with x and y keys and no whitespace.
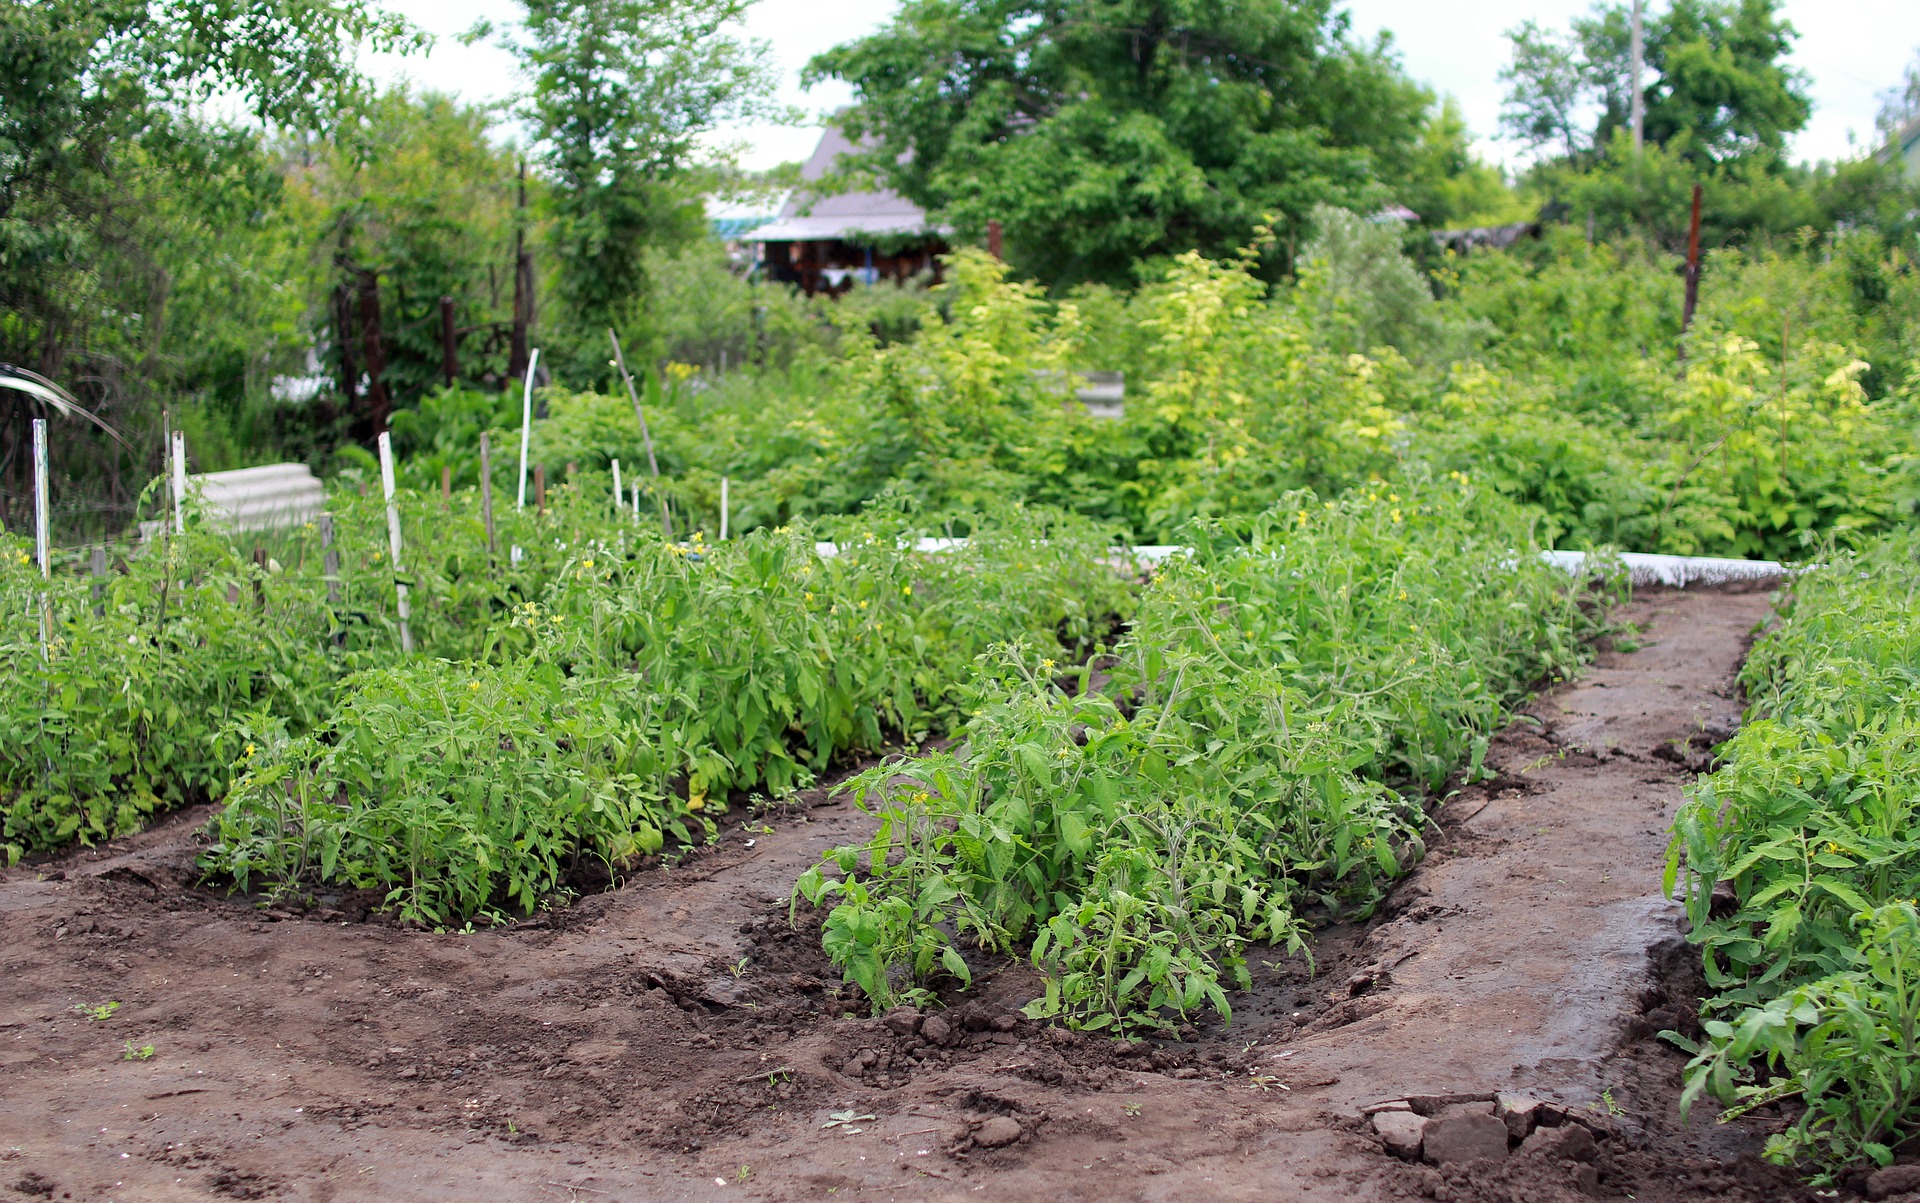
{"x":99,"y":572}
{"x":446,"y":488}
{"x":646,"y":438}
{"x":330,"y":564}
{"x":404,"y":608}
{"x":486,"y":492}
{"x":260,"y":582}
{"x":540,"y":487}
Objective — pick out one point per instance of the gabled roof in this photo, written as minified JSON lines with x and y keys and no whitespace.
{"x":846,"y":216}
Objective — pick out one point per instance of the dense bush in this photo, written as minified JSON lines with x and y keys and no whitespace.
{"x":1810,"y":826}
{"x":1242,"y":756}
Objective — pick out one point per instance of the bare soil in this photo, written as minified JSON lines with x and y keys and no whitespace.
{"x":677,"y":1038}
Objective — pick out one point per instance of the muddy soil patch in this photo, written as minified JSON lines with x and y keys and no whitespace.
{"x":676,"y":1038}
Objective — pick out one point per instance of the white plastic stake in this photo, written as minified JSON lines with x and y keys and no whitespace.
{"x":723,"y":506}
{"x":526,"y":424}
{"x":41,"y":546}
{"x":636,"y":501}
{"x":393,"y":541}
{"x":179,"y":483}
{"x":41,"y":543}
{"x":618,"y":494}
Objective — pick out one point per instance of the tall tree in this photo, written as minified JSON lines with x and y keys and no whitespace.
{"x":110,"y":185}
{"x":622,"y":93}
{"x":1105,"y":132}
{"x":1718,"y":86}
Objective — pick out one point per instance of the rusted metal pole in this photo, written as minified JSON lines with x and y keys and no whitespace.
{"x":449,"y":357}
{"x":1693,"y":264}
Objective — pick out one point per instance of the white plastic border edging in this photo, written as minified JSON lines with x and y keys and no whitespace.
{"x":1642,"y":568}
{"x":1676,"y":572}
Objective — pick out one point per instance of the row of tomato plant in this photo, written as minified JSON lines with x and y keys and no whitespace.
{"x":1801,"y":863}
{"x":597,"y":693}
{"x":1256,"y":746}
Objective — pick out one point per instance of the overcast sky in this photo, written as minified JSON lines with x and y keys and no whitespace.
{"x":1852,"y":49}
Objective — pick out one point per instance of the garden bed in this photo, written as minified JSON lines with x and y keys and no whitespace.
{"x":676,"y":1038}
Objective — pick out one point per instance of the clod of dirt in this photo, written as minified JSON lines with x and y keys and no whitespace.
{"x":902,"y":1021}
{"x":1463,"y":1133}
{"x":998,"y":1132}
{"x":1894,"y":1180}
{"x":1519,"y":1112}
{"x":1402,"y":1132}
{"x":936,"y":1030}
{"x":1569,"y":1142}
{"x":33,"y":1184}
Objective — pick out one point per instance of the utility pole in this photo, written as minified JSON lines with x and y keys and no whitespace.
{"x":1638,"y":53}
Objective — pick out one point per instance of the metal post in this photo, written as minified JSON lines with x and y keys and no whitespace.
{"x":526,"y":424}
{"x":486,"y":491}
{"x":646,"y":438}
{"x":449,"y":360}
{"x":393,"y":540}
{"x":1693,"y":264}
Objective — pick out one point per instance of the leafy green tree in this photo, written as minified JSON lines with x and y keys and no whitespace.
{"x":124,"y":217}
{"x":1546,"y":88}
{"x":1717,"y":86}
{"x":1105,"y":133}
{"x":622,"y":92}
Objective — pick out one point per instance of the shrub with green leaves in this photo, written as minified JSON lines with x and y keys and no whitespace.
{"x":645,"y":682}
{"x":1810,"y":825}
{"x":1241,"y":759}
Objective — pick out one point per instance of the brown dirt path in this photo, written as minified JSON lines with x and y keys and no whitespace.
{"x":676,"y":1040}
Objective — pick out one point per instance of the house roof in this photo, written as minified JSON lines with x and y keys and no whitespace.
{"x":847,"y":215}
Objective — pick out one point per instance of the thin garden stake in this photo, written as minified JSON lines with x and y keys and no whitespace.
{"x":486,"y":491}
{"x":330,"y":565}
{"x":41,"y":546}
{"x":526,"y":424}
{"x":98,"y":569}
{"x":636,"y":501}
{"x":723,"y":509}
{"x":646,"y":438}
{"x":179,"y":483}
{"x":393,"y":540}
{"x":618,"y":493}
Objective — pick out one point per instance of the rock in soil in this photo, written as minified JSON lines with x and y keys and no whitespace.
{"x":1402,"y":1132}
{"x":1519,"y":1112}
{"x":1458,"y":1136}
{"x":997,"y":1132}
{"x":937,"y":1030}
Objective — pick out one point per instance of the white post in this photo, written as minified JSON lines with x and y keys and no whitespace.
{"x":41,"y":542}
{"x":393,"y":541}
{"x":723,"y":507}
{"x":179,"y":458}
{"x":619,"y":494}
{"x":526,"y":423}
